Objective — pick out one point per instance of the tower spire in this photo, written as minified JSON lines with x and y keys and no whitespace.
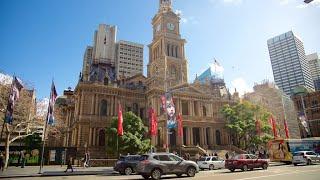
{"x":165,"y":5}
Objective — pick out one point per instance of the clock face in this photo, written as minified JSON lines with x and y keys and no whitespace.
{"x":170,"y":26}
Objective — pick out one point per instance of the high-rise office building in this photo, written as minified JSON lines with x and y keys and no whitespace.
{"x":108,"y":59}
{"x":289,"y":63}
{"x":314,"y":64}
{"x":129,"y":59}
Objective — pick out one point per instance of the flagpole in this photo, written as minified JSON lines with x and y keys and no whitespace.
{"x":43,"y":143}
{"x":44,"y":133}
{"x":117,"y":146}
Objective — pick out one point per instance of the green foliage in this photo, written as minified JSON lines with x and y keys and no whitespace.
{"x":33,"y":142}
{"x":241,"y":122}
{"x":134,"y":139}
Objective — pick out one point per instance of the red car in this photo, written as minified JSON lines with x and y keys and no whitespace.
{"x":245,"y":162}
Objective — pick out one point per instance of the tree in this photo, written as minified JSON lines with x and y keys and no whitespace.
{"x":24,"y":123}
{"x":134,"y":139}
{"x":33,"y":142}
{"x":244,"y":120}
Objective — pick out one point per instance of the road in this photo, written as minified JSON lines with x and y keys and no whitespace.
{"x":287,"y":172}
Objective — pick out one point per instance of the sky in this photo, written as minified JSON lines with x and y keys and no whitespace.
{"x":41,"y":41}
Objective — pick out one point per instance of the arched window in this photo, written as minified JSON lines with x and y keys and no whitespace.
{"x":172,"y":50}
{"x":204,"y":110}
{"x":177,"y":52}
{"x":173,"y":72}
{"x":103,"y":108}
{"x":106,"y":81}
{"x":135,"y":108}
{"x":218,"y":137}
{"x":102,"y":137}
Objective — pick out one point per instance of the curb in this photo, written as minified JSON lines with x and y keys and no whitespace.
{"x":51,"y":174}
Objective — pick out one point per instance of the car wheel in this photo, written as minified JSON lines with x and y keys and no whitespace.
{"x":309,"y":162}
{"x":128,"y":171}
{"x":191,"y":171}
{"x":211,"y":167}
{"x":295,"y":164}
{"x":232,"y":170}
{"x":244,"y":168}
{"x":179,"y":175}
{"x":264,"y":166}
{"x":156,"y":174}
{"x":145,"y":176}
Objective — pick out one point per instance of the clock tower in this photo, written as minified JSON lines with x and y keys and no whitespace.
{"x":167,"y":65}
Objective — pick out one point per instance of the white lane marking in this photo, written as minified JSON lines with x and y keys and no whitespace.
{"x":295,"y":172}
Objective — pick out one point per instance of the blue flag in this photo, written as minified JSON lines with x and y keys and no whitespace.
{"x":53,"y":97}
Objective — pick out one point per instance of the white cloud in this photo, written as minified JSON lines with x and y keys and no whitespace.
{"x":284,"y":2}
{"x":232,"y":2}
{"x":241,"y":85}
{"x":184,"y":19}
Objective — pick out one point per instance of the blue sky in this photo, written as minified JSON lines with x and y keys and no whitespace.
{"x":41,"y":40}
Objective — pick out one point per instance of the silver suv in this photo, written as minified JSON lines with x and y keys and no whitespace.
{"x":305,"y":157}
{"x":158,"y":164}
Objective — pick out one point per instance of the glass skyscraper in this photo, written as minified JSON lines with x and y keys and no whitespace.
{"x":289,"y":63}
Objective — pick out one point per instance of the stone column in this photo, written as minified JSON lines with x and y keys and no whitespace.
{"x":94,"y":137}
{"x":191,"y":136}
{"x":214,"y":136}
{"x":79,"y":136}
{"x":92,"y":104}
{"x":201,"y":137}
{"x":90,"y":136}
{"x":96,"y":105}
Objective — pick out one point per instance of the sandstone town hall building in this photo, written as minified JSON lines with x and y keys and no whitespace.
{"x":105,"y":81}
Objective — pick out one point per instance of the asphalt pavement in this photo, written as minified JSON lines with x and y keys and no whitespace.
{"x":284,"y":172}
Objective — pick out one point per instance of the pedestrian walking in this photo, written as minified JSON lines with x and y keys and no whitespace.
{"x":1,"y":162}
{"x":227,"y":155}
{"x":215,"y":154}
{"x":22,"y":159}
{"x":69,"y":165}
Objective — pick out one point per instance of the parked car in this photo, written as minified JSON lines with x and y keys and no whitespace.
{"x":210,"y":162}
{"x":305,"y":157}
{"x":158,"y":164}
{"x":126,"y":165}
{"x":245,"y":162}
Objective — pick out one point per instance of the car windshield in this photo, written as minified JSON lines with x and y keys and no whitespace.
{"x":298,"y":154}
{"x":202,"y":159}
{"x":143,"y":157}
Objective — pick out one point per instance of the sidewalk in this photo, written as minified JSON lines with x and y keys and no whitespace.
{"x":33,"y":171}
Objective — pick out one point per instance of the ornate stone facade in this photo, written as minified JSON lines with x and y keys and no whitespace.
{"x":95,"y":102}
{"x":279,"y":104}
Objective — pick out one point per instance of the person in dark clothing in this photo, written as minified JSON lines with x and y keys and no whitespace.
{"x":69,"y":165}
{"x":227,"y":155}
{"x":215,"y":154}
{"x":1,"y":162}
{"x":22,"y":159}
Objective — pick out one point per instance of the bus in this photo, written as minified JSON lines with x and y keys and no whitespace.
{"x":281,"y":150}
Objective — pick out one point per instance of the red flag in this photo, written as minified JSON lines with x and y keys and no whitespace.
{"x":120,"y":121}
{"x":273,"y":122}
{"x":153,"y":122}
{"x":286,"y":129}
{"x":180,"y":127}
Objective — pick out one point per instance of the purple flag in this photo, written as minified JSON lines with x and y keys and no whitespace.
{"x":16,"y":87}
